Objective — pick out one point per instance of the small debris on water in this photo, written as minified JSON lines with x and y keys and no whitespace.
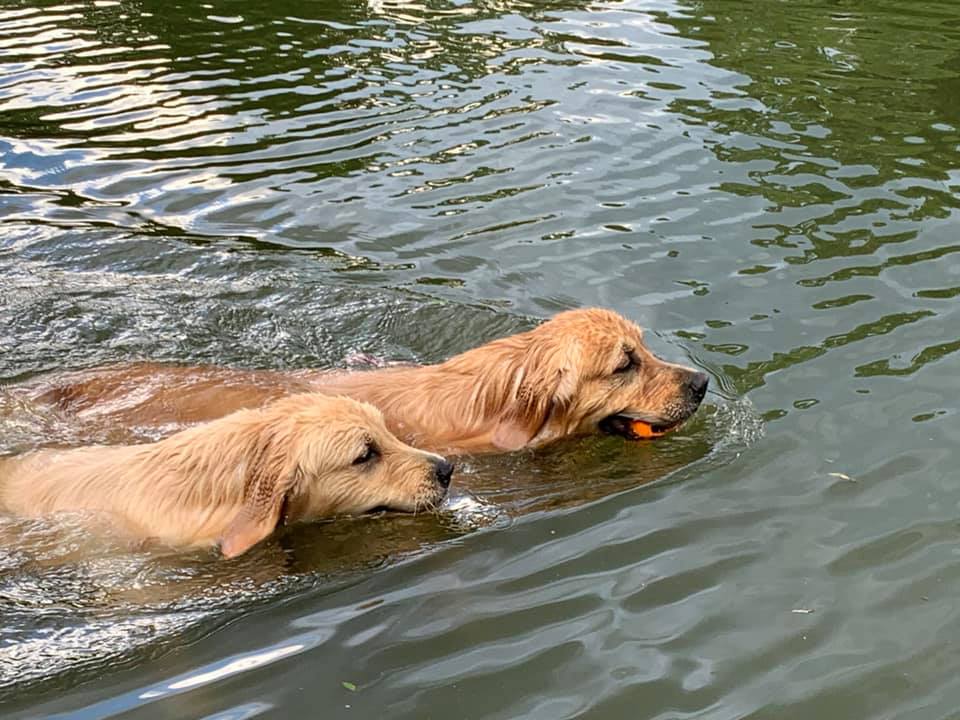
{"x":802,"y":611}
{"x":842,"y":476}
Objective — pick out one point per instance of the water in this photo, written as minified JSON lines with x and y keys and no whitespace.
{"x":770,"y":188}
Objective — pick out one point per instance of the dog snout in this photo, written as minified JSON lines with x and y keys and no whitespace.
{"x":697,"y":385}
{"x":443,"y":471}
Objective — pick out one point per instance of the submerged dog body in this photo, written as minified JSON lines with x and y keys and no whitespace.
{"x":580,"y":372}
{"x":232,"y":481}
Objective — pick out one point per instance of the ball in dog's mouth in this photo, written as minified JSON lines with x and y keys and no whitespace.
{"x":634,"y":427}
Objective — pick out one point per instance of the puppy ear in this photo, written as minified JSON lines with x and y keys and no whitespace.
{"x":270,"y":477}
{"x":545,"y":381}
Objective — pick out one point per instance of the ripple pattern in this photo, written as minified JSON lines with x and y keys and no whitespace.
{"x":770,"y":188}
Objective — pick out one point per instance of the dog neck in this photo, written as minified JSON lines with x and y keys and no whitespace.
{"x":457,"y":403}
{"x":212,"y":464}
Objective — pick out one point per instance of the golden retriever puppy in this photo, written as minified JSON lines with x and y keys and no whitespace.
{"x":580,"y":372}
{"x":232,"y":481}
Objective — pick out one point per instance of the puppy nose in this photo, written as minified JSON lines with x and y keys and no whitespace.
{"x":698,"y":385}
{"x":443,"y":471}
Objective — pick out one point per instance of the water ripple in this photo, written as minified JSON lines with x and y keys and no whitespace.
{"x":770,"y":188}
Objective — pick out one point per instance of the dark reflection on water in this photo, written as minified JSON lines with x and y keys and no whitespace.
{"x":770,"y":188}
{"x":851,"y":146}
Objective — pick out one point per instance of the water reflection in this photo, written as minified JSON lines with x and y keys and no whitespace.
{"x":770,"y":186}
{"x":345,"y":127}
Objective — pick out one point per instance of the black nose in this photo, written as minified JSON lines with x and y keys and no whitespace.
{"x":443,"y":471}
{"x":698,"y":385}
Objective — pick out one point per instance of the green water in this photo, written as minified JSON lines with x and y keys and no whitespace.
{"x":770,"y":188}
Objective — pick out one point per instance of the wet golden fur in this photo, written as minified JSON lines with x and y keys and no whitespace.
{"x":231,"y":481}
{"x":557,"y":380}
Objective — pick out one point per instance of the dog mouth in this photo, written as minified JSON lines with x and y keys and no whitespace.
{"x":638,"y":426}
{"x":380,"y":510}
{"x":420,"y":506}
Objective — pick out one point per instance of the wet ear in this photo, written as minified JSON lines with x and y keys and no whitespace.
{"x":270,"y":477}
{"x":250,"y":526}
{"x":545,"y":381}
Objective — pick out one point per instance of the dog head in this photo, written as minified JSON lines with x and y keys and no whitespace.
{"x":588,"y":370}
{"x":315,"y":456}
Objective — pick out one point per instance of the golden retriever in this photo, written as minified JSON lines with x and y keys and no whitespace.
{"x":232,"y":481}
{"x":580,"y":372}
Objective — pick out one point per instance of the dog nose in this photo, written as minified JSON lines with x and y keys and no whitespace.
{"x":698,"y":385}
{"x":443,"y":471}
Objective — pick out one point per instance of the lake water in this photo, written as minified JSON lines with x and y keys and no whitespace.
{"x":770,"y":188}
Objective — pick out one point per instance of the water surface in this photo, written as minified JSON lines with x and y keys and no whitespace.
{"x":769,"y":188}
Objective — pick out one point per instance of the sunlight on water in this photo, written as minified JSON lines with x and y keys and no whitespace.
{"x":769,"y":188}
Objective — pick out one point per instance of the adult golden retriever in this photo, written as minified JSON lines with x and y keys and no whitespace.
{"x":579,"y":372}
{"x":233,"y":480}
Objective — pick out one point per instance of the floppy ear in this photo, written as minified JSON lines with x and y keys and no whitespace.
{"x":271,"y":474}
{"x":545,"y":380}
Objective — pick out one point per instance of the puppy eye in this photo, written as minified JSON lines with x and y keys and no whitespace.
{"x":629,"y":363}
{"x":368,"y":454}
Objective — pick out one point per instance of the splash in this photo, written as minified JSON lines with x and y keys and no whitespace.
{"x":735,"y":424}
{"x":463,"y":511}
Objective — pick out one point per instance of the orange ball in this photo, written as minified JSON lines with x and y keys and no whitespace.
{"x":643,"y":430}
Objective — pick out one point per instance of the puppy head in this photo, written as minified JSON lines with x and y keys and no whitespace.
{"x":315,"y":456}
{"x":588,"y":370}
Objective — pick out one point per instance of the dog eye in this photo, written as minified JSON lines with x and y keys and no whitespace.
{"x":629,"y":363}
{"x":368,"y":454}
